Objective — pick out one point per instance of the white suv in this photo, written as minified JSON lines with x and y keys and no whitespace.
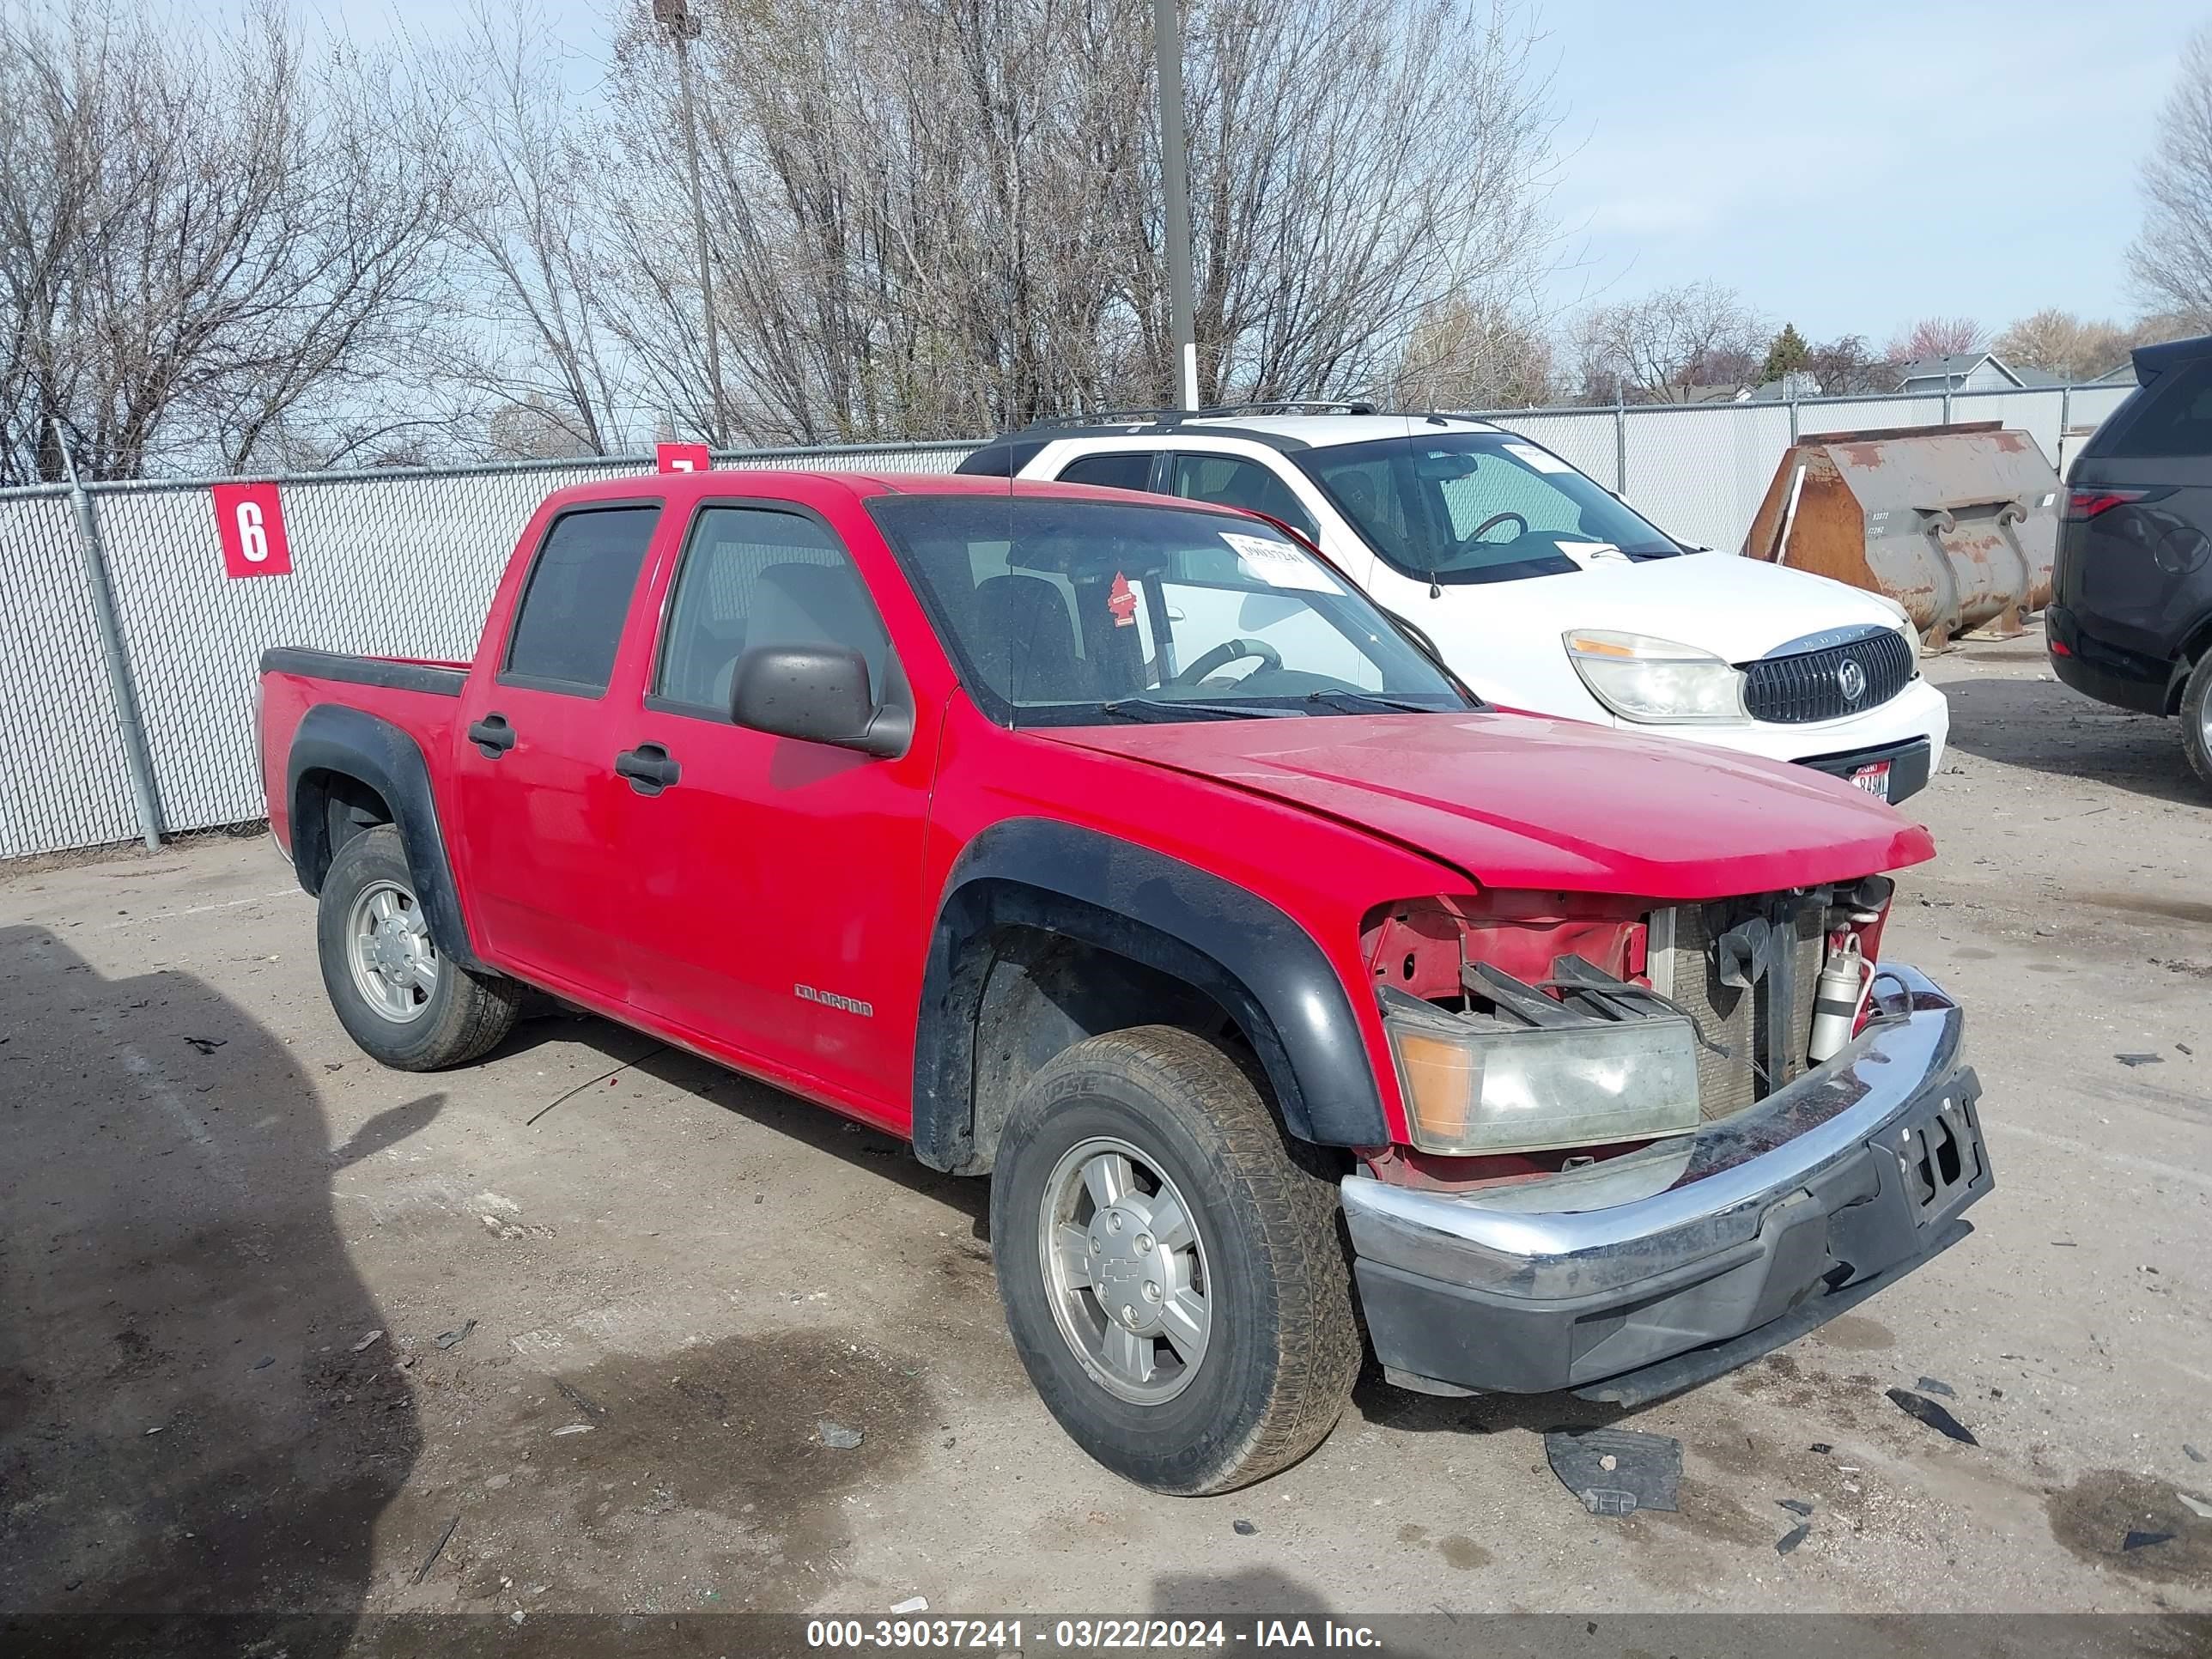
{"x":1542,"y":589}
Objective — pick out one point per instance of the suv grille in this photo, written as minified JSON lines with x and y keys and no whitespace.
{"x":1812,"y":685}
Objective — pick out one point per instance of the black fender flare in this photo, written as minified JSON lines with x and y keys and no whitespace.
{"x":1264,"y":969}
{"x":333,"y":738}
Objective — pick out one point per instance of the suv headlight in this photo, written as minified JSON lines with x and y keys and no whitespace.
{"x":1647,"y":679}
{"x":1472,"y":1090}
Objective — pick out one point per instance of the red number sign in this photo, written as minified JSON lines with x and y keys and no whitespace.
{"x":251,"y":521}
{"x":681,"y":458}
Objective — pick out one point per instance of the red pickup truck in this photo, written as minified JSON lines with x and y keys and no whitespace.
{"x":1118,"y":850}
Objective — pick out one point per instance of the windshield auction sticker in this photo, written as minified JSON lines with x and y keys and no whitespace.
{"x":1542,"y":460}
{"x":1278,"y":564}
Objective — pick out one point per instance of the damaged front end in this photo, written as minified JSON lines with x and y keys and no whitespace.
{"x":1649,"y":1142}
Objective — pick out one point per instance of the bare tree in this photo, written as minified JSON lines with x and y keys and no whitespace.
{"x":931,"y":219}
{"x":1937,"y":337}
{"x":206,"y":247}
{"x":542,"y":360}
{"x":2059,"y":343}
{"x":1474,"y":353}
{"x":1656,"y":350}
{"x":1847,"y":364}
{"x":2172,"y":258}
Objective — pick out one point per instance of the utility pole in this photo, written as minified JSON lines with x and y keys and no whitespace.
{"x":1175,"y":180}
{"x":683,"y":28}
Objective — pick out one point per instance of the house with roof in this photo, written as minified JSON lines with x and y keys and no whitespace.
{"x":1967,"y":371}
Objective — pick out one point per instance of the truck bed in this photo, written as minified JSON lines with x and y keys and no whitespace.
{"x":421,"y":697}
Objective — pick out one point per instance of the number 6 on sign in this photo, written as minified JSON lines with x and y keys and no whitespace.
{"x":250,"y":520}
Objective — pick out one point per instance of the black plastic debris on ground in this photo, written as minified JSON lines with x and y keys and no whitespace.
{"x":454,"y":1339}
{"x":576,"y":1397}
{"x":1617,"y":1470}
{"x":2140,"y":1540}
{"x":2141,"y":1060}
{"x":1821,"y":1447}
{"x":1932,"y":1385}
{"x":1242,"y":1529}
{"x":1927,"y":1411}
{"x":1790,"y":1540}
{"x":2193,"y":1455}
{"x":1795,"y":1505}
{"x":206,"y":1045}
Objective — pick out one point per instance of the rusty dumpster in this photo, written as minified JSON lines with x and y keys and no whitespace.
{"x":1958,"y":524}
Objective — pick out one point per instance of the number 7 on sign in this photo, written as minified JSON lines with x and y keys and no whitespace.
{"x":249,"y":519}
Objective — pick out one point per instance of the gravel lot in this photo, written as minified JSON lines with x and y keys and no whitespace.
{"x":667,"y":1284}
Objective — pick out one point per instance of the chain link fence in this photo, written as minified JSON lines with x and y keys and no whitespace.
{"x":404,"y":563}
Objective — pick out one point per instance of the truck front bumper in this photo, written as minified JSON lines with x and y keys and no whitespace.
{"x":1634,"y":1278}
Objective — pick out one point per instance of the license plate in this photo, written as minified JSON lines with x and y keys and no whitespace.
{"x":1873,"y":779}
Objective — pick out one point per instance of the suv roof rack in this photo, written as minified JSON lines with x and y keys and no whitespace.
{"x":1210,"y":411}
{"x":1294,"y":406}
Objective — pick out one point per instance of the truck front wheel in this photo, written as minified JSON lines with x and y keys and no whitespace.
{"x":404,"y":1002}
{"x":1170,"y":1262}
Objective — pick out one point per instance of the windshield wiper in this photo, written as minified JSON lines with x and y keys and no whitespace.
{"x":1170,"y":708}
{"x":1352,"y":702}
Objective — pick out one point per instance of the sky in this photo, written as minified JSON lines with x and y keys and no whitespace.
{"x":1852,"y":167}
{"x":1848,"y":167}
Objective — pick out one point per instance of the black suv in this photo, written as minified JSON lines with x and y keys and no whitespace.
{"x":2130,"y":618}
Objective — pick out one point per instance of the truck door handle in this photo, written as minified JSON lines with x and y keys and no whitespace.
{"x":492,"y":736}
{"x":647,"y":768}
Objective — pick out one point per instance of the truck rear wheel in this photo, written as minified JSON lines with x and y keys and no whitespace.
{"x":403,"y":1002}
{"x":2197,"y":720}
{"x":1170,"y":1262}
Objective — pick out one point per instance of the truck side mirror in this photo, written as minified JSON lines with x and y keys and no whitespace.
{"x":817,"y":694}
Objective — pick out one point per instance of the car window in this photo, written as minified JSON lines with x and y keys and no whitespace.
{"x":569,"y":620}
{"x":1499,"y":501}
{"x":1477,"y":508}
{"x":1066,"y":612}
{"x":1233,"y":480}
{"x":754,"y":576}
{"x":2173,"y":417}
{"x":1121,"y":470}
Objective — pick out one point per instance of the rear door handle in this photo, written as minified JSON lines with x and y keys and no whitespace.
{"x":647,"y":768}
{"x":492,"y":736}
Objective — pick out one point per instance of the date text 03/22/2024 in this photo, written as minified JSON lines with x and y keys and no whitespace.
{"x":1088,"y":1635}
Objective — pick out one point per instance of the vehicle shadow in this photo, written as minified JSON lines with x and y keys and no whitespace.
{"x":191,"y":1422}
{"x":1389,"y":1407}
{"x":881,"y":1156}
{"x":2047,"y":727}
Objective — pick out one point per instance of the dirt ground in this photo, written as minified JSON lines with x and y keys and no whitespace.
{"x":274,"y":1321}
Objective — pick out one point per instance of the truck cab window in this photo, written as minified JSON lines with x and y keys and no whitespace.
{"x":754,"y":576}
{"x":570,"y":617}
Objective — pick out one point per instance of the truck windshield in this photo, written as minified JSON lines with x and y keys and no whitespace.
{"x":1458,"y":507}
{"x":1061,"y":611}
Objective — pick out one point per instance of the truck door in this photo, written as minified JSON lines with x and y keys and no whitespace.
{"x":773,"y":903}
{"x":539,"y":807}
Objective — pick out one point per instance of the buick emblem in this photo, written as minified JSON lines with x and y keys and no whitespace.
{"x":1850,"y":679}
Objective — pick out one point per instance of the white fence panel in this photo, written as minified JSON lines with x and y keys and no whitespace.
{"x":1584,"y":438}
{"x":1698,"y":471}
{"x":64,"y":780}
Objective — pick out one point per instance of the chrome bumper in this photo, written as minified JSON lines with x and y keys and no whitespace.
{"x":1857,"y":1170}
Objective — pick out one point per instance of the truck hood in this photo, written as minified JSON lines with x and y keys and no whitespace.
{"x":1524,"y":801}
{"x":1737,"y":608}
